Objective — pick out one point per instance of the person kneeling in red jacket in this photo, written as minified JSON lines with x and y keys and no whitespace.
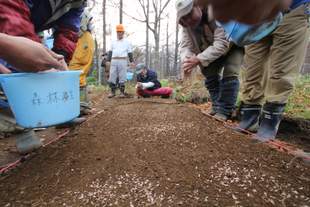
{"x":148,"y":85}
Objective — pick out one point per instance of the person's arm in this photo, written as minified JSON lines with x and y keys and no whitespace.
{"x":110,"y":53}
{"x":186,"y":46}
{"x":147,"y":85}
{"x":27,"y":55}
{"x":219,"y":47}
{"x":4,"y":70}
{"x":152,"y":80}
{"x":245,"y":11}
{"x":130,"y":56}
{"x":66,"y":34}
{"x":109,"y":57}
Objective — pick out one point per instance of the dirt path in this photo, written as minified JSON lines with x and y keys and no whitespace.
{"x":139,"y":153}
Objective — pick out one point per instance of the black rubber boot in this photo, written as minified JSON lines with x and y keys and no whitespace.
{"x":113,"y":90}
{"x":270,"y":121}
{"x":249,"y":117}
{"x":122,"y":90}
{"x":228,"y":95}
{"x":213,"y":85}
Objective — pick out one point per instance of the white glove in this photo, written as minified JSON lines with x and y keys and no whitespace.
{"x":147,"y":85}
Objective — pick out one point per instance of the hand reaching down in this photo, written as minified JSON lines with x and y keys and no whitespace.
{"x":189,"y":64}
{"x":29,"y":56}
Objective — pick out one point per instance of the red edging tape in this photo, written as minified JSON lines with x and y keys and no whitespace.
{"x":275,"y":144}
{"x":13,"y":165}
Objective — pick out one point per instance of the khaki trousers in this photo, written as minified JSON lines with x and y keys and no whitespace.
{"x":226,"y":66}
{"x":272,"y":64}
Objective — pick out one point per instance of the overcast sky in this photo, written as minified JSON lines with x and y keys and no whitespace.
{"x":135,"y":30}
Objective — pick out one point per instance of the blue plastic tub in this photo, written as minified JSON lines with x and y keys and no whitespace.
{"x":42,"y":99}
{"x":130,"y":76}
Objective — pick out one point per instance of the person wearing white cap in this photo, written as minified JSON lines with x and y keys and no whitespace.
{"x":205,"y":44}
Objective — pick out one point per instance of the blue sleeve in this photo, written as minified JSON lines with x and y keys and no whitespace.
{"x":72,"y":19}
{"x":297,"y":3}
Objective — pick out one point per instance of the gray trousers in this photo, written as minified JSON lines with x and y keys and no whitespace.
{"x":118,"y":71}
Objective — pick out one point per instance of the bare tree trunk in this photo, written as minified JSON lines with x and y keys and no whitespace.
{"x":158,"y":8}
{"x":160,"y":68}
{"x":156,"y":56}
{"x":147,"y":59}
{"x":167,"y":67}
{"x":176,"y":50}
{"x":157,"y":44}
{"x":151,"y":57}
{"x":102,"y":69}
{"x":104,"y":26}
{"x":121,"y":11}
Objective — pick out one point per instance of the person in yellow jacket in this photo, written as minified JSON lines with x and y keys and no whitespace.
{"x":83,"y":57}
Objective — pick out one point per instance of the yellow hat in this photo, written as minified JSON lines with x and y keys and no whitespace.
{"x":120,"y":28}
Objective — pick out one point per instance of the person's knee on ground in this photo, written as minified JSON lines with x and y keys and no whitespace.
{"x":142,"y":93}
{"x":27,"y":141}
{"x":166,"y":92}
{"x":85,"y":109}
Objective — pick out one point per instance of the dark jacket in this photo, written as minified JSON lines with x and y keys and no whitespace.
{"x":64,"y":16}
{"x":151,"y":76}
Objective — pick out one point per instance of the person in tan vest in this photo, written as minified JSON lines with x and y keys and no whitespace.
{"x":204,"y":44}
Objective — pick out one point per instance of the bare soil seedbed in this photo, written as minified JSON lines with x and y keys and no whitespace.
{"x":141,"y":153}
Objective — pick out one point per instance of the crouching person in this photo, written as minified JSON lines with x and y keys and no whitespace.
{"x":83,"y":58}
{"x":148,"y":85}
{"x":204,"y":44}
